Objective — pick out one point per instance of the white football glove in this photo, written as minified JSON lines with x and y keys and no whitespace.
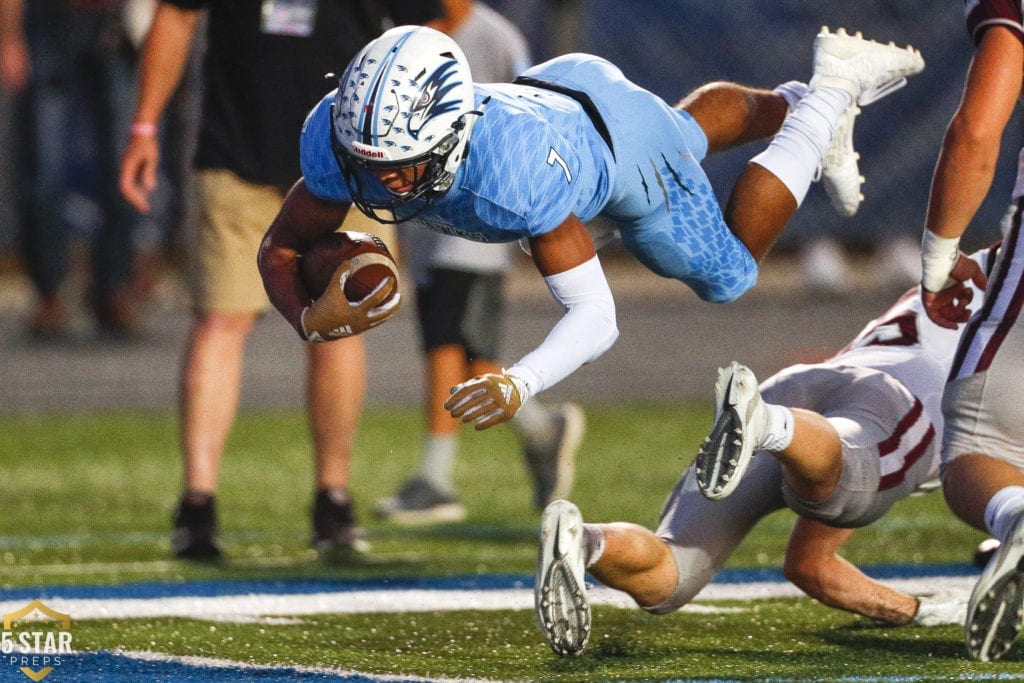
{"x":941,"y":609}
{"x":488,"y":399}
{"x":333,"y":316}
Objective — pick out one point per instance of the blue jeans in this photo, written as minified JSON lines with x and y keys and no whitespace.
{"x":81,"y":98}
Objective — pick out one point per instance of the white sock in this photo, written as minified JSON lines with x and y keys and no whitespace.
{"x":1002,"y":510}
{"x":792,"y":92}
{"x":593,"y":544}
{"x":795,"y":154}
{"x":779,"y":430}
{"x":438,"y":457}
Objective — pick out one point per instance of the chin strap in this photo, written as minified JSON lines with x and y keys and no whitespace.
{"x":463,"y":126}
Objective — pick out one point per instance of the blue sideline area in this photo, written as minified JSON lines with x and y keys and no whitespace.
{"x":159,"y":589}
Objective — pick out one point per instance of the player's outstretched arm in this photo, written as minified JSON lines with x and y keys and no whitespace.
{"x":565,"y":257}
{"x":814,"y":566}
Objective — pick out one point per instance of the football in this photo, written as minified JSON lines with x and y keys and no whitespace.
{"x":371,"y":263}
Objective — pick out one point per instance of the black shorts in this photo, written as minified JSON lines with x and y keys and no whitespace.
{"x":463,"y":308}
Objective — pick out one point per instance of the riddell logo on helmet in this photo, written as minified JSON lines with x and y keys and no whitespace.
{"x":368,"y":152}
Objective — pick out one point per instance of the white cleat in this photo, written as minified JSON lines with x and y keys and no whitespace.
{"x":997,"y":601}
{"x":865,"y":69}
{"x":840,"y":173}
{"x":741,"y":420}
{"x":559,"y":594}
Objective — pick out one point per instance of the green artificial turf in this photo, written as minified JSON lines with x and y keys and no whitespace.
{"x":88,"y":500}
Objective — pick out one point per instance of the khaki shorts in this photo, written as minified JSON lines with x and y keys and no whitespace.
{"x":234,"y":215}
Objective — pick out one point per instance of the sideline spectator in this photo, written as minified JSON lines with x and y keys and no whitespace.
{"x":74,"y":65}
{"x":264,"y":69}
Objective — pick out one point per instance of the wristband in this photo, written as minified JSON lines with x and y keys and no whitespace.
{"x":938,"y":256}
{"x":143,"y":130}
{"x":520,"y":377}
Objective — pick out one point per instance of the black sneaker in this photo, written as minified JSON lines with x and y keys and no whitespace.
{"x":336,"y":537}
{"x":195,"y":528}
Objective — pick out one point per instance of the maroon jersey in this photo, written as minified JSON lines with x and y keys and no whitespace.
{"x":981,"y":14}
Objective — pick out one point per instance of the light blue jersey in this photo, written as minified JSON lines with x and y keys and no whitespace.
{"x":536,"y":156}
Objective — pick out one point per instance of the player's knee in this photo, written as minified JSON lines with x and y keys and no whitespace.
{"x":726,"y":285}
{"x":723,"y":292}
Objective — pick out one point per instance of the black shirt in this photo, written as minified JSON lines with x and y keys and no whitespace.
{"x":260,"y":82}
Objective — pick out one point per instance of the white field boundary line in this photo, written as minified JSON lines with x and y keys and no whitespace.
{"x":252,"y":607}
{"x":259,"y":607}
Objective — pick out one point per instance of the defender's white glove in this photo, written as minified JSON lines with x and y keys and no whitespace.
{"x":941,"y":609}
{"x":488,"y":399}
{"x":333,"y":316}
{"x":945,"y":272}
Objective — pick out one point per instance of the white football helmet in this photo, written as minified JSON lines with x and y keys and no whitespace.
{"x":401,"y":120}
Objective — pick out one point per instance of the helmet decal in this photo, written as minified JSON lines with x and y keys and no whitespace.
{"x":431,"y":101}
{"x":368,"y":127}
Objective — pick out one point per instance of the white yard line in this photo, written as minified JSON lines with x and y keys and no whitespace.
{"x":211,"y":662}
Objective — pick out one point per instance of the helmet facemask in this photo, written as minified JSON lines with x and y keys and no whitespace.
{"x":401,"y":120}
{"x":398,"y":191}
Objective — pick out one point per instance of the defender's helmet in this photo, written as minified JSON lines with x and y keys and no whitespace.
{"x":401,"y":120}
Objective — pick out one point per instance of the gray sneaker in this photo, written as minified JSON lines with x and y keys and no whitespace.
{"x":997,"y":601}
{"x":552,"y":461}
{"x":420,"y":502}
{"x":560,"y":591}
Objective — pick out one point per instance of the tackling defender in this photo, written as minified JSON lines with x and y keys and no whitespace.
{"x":837,"y":442}
{"x":983,"y":448}
{"x":408,"y":136}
